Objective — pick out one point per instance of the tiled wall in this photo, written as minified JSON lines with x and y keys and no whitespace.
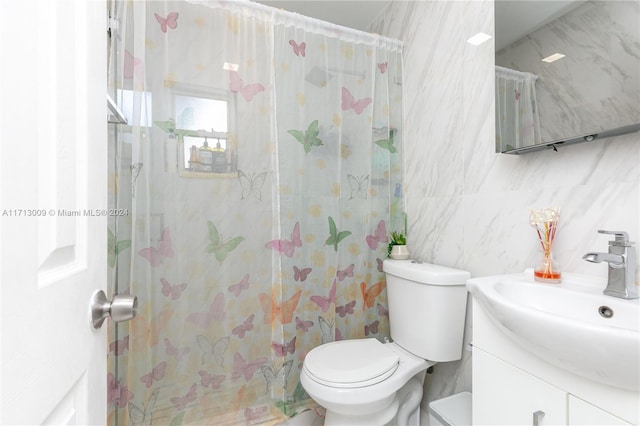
{"x":468,"y":207}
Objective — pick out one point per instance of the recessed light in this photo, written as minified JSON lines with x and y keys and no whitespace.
{"x":230,"y":67}
{"x":478,"y":39}
{"x":553,"y":57}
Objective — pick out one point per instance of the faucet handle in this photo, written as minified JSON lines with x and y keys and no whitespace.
{"x":622,"y":238}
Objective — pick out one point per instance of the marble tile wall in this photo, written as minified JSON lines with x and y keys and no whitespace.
{"x":467,"y":206}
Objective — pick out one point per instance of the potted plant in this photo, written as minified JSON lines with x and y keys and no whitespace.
{"x":397,"y":247}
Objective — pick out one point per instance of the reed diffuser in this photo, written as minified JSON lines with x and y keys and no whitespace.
{"x":545,"y":221}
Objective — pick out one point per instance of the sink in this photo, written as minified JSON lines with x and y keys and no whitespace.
{"x":571,"y":325}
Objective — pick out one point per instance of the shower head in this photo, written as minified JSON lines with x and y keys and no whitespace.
{"x":318,"y":77}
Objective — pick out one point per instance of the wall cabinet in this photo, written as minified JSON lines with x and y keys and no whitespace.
{"x":513,"y":387}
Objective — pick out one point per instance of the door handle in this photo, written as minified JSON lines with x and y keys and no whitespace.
{"x":121,"y":308}
{"x":537,"y":417}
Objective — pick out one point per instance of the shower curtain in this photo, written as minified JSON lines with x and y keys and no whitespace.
{"x":517,"y":119}
{"x":260,"y":174}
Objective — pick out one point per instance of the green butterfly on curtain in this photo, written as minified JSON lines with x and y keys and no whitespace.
{"x":387,"y":143}
{"x":218,"y":246}
{"x":309,"y":138}
{"x":290,"y":408}
{"x":334,"y":236}
{"x":115,"y":247}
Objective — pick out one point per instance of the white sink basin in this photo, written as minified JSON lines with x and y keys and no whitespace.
{"x":571,"y":325}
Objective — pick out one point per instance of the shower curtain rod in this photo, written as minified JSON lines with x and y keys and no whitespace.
{"x":281,"y":16}
{"x":508,"y":72}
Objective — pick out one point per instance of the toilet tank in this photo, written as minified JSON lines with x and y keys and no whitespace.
{"x":427,"y":308}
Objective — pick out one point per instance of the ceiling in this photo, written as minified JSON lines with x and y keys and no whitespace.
{"x":357,"y":14}
{"x":514,"y":18}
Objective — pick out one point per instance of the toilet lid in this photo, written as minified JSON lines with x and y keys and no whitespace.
{"x":351,"y":363}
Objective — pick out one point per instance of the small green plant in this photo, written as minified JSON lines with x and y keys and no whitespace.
{"x":397,"y":239}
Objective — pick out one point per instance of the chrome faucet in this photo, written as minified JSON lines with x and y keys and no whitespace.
{"x":622,"y":265}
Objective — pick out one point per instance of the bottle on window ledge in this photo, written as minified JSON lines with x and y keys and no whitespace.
{"x":205,"y":155}
{"x":219,"y":159}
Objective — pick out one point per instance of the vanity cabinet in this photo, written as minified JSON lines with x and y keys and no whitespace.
{"x":506,"y":395}
{"x":513,"y":387}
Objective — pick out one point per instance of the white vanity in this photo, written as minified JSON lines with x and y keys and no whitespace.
{"x":553,"y":354}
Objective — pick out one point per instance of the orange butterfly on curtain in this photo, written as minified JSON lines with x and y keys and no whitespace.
{"x":283,"y":311}
{"x":369,"y":295}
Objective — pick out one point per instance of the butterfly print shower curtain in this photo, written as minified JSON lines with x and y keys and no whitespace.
{"x":239,"y":275}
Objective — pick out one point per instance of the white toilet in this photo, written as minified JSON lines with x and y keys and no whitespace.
{"x":366,"y":382}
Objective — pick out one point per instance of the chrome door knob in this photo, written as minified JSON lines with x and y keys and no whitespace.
{"x":121,"y":308}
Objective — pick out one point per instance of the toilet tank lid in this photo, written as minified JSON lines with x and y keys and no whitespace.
{"x":425,"y":273}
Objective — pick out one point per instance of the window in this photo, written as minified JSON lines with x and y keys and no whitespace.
{"x":204,"y":119}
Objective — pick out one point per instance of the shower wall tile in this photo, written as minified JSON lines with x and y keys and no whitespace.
{"x":467,"y":206}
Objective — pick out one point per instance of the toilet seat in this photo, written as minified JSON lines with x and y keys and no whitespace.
{"x":351,"y":363}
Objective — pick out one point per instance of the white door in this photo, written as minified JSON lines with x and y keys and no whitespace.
{"x":53,"y":145}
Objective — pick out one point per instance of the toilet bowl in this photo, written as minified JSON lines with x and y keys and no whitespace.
{"x":357,"y":381}
{"x":366,"y":382}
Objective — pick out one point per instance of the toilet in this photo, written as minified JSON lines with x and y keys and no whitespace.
{"x":366,"y":382}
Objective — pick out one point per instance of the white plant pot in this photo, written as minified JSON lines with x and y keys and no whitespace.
{"x":399,"y":252}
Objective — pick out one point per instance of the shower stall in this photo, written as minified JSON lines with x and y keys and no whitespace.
{"x":259,"y":173}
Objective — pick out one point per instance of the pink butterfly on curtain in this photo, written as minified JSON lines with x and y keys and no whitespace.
{"x":252,"y":414}
{"x":173,"y":291}
{"x":383,"y":67}
{"x":298,"y":49}
{"x":300,"y":274}
{"x":247,"y":325}
{"x":171,"y":21}
{"x":303,"y":325}
{"x":343,"y":310}
{"x":380,"y":236}
{"x":241,"y":368}
{"x":207,"y":380}
{"x":371,"y":328}
{"x":281,"y":350}
{"x":119,"y":346}
{"x":349,"y":102}
{"x":237,"y":288}
{"x":236,"y":85}
{"x":325,"y":302}
{"x":173,"y":351}
{"x":155,"y":256}
{"x":380,"y":264}
{"x":382,"y":311}
{"x":117,"y":394}
{"x":130,"y":64}
{"x":348,"y":272}
{"x":216,"y":312}
{"x":181,"y":402}
{"x":287,"y":247}
{"x":517,"y":94}
{"x":156,"y":373}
